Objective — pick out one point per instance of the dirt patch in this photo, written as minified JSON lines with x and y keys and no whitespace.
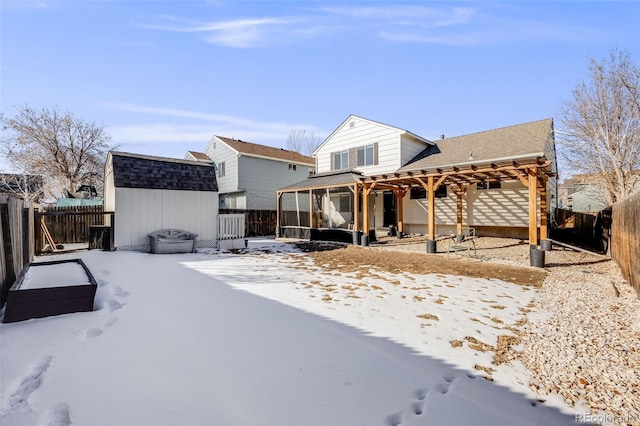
{"x":355,"y":258}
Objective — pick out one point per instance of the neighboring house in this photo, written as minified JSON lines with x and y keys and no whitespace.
{"x":27,"y":187}
{"x":248,"y":174}
{"x":480,"y":180}
{"x":583,"y":195}
{"x":196,"y":156}
{"x":150,"y":193}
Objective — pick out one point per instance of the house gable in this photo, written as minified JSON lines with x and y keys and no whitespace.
{"x":384,"y":147}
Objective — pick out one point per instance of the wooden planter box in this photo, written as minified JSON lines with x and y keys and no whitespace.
{"x":51,"y":288}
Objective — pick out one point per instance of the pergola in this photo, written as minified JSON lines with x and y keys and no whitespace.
{"x":532,"y":173}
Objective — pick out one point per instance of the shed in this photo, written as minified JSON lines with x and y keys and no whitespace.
{"x":149,"y":193}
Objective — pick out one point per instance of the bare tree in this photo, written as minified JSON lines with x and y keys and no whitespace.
{"x":302,"y":142}
{"x":600,"y":133}
{"x":65,"y":150}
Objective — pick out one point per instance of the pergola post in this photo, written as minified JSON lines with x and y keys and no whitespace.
{"x":533,"y":198}
{"x":278,"y":197}
{"x":545,"y":243}
{"x":400,"y":193}
{"x":310,"y":210}
{"x":460,"y":191}
{"x":356,"y":216}
{"x":431,"y":220}
{"x":365,"y":215}
{"x":536,"y":256}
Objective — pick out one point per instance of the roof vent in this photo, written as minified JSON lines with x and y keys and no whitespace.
{"x":352,"y":124}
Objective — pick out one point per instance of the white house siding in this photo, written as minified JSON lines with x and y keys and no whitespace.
{"x":220,"y":152}
{"x":363,"y":133}
{"x":142,"y":211}
{"x":505,"y":207}
{"x":410,"y":147}
{"x":260,"y":177}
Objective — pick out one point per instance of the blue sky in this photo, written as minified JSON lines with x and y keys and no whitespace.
{"x":164,"y":76}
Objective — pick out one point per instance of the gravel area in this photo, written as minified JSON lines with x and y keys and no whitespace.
{"x":581,"y":339}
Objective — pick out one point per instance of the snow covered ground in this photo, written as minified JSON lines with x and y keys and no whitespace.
{"x":267,"y":338}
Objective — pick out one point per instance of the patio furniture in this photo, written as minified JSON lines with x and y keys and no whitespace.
{"x":463,"y":242}
{"x":172,"y":241}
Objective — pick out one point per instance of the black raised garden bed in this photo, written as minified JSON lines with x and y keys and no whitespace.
{"x":51,"y":288}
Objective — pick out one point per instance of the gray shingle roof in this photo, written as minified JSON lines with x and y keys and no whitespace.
{"x":250,"y":148}
{"x":149,"y":172}
{"x":508,"y":143}
{"x":326,"y":180}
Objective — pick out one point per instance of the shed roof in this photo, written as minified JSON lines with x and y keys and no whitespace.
{"x":325,"y":180}
{"x":150,"y":172}
{"x":508,"y":143}
{"x":254,"y":149}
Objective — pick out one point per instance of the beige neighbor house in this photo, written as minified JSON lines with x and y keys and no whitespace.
{"x":501,"y":182}
{"x":248,"y":174}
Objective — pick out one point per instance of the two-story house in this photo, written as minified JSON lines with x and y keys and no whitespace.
{"x":501,"y":182}
{"x":248,"y":174}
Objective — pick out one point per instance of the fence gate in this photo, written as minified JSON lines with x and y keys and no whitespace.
{"x":231,"y":231}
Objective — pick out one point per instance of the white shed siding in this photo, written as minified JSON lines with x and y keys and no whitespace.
{"x":109,"y":188}
{"x":363,"y":133}
{"x":220,"y":152}
{"x":260,"y":177}
{"x":142,"y":211}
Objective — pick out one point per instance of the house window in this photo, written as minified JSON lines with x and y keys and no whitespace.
{"x":312,"y":172}
{"x":365,"y":155}
{"x":345,"y":203}
{"x":292,"y":167}
{"x":221,"y":169}
{"x":418,"y":193}
{"x":340,"y":160}
{"x":490,"y":185}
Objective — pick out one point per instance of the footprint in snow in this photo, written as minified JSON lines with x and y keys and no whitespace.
{"x":97,"y":331}
{"x":30,"y":382}
{"x":58,"y":415}
{"x":120,"y":292}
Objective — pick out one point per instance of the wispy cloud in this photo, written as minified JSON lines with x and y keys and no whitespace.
{"x":240,"y":33}
{"x":485,"y":23}
{"x":153,"y":127}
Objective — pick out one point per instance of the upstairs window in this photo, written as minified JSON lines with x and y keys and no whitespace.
{"x":365,"y":155}
{"x":340,"y":160}
{"x":292,"y":167}
{"x":221,"y":169}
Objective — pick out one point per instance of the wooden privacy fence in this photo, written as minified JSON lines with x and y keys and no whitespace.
{"x":257,"y":223}
{"x":587,"y":230}
{"x":72,"y":224}
{"x":17,"y":244}
{"x":625,"y":238}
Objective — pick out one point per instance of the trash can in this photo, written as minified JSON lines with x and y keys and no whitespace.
{"x":100,"y":237}
{"x":431,"y":246}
